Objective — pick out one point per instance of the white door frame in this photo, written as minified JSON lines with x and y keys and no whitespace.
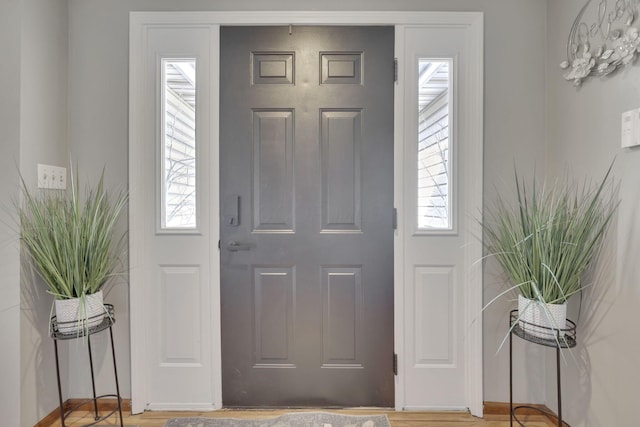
{"x":470,"y":22}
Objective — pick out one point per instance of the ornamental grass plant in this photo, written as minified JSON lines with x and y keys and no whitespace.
{"x":547,"y":239}
{"x":68,"y":236}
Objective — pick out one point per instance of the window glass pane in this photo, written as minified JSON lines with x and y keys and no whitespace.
{"x":179,"y":144}
{"x":434,"y":174}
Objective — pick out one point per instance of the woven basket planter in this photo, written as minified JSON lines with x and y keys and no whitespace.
{"x":74,"y":315}
{"x":542,"y":320}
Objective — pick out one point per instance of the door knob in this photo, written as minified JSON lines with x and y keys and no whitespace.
{"x":234,"y":246}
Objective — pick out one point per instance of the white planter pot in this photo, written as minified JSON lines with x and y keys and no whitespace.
{"x":542,"y":320}
{"x":77,"y":314}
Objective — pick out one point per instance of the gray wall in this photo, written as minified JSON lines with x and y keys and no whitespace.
{"x":601,"y":384}
{"x":33,"y":119}
{"x":9,"y":256}
{"x":43,"y":139}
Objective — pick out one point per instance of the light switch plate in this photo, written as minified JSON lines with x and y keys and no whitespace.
{"x":630,"y":131}
{"x":52,"y":177}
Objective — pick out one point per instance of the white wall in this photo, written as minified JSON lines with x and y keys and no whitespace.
{"x":9,"y":255}
{"x":43,"y":139}
{"x":514,"y":122}
{"x":601,"y":385}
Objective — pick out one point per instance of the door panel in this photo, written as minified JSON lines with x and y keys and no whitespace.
{"x":273,"y":170}
{"x":306,"y":146}
{"x":274,"y":314}
{"x":342,"y":312}
{"x":174,"y":362}
{"x":441,"y":274}
{"x":341,"y":155}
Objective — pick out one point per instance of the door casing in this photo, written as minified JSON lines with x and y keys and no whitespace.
{"x":469,"y":22}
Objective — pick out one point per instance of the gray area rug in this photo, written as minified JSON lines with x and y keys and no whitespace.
{"x":296,"y":419}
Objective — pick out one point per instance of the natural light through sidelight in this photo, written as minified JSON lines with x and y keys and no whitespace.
{"x":179,"y":144}
{"x":434,"y":174}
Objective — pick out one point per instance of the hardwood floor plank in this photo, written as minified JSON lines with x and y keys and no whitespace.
{"x":397,"y":419}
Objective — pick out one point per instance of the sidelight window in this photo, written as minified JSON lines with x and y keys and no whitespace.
{"x":434,"y":151}
{"x":178,"y":160}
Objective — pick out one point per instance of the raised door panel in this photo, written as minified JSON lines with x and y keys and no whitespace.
{"x":274,"y":317}
{"x":341,"y":136}
{"x":273,"y":147}
{"x":342,"y":313}
{"x":179,"y":325}
{"x":434,"y":290}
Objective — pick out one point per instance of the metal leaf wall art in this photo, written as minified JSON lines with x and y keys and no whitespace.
{"x":602,"y":39}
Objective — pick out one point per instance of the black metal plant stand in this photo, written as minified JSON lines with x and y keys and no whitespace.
{"x":559,"y":339}
{"x":56,"y":334}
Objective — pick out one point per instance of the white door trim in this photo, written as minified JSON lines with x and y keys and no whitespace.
{"x":142,"y":22}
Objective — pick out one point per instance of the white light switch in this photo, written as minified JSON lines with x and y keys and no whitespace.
{"x":52,"y":177}
{"x":630,"y":128}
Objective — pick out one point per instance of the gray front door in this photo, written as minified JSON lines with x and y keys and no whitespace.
{"x":306,"y":173}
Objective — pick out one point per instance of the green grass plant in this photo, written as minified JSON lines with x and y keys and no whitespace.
{"x":69,"y":236}
{"x":546,"y":240}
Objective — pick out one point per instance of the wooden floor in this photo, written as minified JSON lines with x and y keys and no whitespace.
{"x":398,"y":419}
